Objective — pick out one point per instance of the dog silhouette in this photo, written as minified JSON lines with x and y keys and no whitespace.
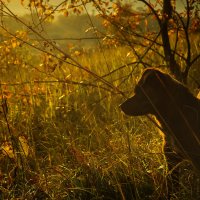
{"x":176,"y":109}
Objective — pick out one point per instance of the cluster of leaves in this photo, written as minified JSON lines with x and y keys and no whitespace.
{"x":12,"y":55}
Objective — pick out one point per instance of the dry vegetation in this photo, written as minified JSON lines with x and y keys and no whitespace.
{"x":63,"y":140}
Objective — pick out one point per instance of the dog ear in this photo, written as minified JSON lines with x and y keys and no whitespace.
{"x":156,"y":78}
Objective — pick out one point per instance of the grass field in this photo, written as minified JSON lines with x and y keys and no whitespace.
{"x":69,"y":139}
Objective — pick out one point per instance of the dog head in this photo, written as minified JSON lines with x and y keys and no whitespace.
{"x":150,"y":91}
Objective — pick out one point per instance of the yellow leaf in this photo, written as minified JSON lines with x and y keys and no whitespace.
{"x":24,"y":145}
{"x":66,"y":13}
{"x":14,"y":44}
{"x":77,"y":53}
{"x":7,"y":149}
{"x":128,"y":54}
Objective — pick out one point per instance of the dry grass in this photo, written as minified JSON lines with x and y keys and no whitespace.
{"x":76,"y":143}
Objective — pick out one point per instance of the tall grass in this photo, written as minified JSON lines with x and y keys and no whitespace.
{"x":71,"y":141}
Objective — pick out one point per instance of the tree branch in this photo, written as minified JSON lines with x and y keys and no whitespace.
{"x":169,"y":56}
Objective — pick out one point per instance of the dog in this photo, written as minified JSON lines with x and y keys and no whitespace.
{"x":176,"y":109}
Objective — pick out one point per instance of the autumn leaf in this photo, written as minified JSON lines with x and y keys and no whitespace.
{"x":66,"y":13}
{"x":24,"y":145}
{"x":7,"y":149}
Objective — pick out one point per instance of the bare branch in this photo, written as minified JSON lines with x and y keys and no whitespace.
{"x":153,"y":10}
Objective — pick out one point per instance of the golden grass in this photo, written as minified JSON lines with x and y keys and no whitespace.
{"x":76,"y":142}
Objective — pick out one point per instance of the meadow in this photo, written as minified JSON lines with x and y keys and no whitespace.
{"x":63,"y":135}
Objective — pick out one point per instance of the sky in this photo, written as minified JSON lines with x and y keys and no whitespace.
{"x":18,"y":9}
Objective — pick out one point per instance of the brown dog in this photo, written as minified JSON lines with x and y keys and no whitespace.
{"x":177,"y":110}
